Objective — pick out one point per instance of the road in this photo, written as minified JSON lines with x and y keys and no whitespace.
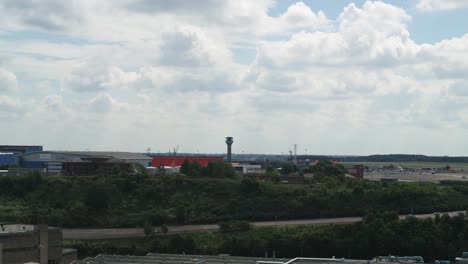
{"x":87,"y":234}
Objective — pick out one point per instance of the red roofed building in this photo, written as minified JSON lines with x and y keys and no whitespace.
{"x":171,"y":161}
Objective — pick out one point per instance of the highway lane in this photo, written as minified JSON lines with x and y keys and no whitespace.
{"x":105,"y":233}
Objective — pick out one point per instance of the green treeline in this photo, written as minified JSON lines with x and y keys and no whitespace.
{"x":381,"y":234}
{"x":214,"y":195}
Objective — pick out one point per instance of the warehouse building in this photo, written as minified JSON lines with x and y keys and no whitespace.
{"x":8,"y":153}
{"x":80,"y":162}
{"x":37,"y":244}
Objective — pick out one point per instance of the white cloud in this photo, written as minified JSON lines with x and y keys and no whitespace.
{"x":103,"y":103}
{"x":375,"y":34}
{"x":8,"y":81}
{"x":190,"y":47}
{"x":118,"y":78}
{"x":297,"y":17}
{"x":300,"y":15}
{"x":436,"y":5}
{"x":170,"y":69}
{"x":94,"y":77}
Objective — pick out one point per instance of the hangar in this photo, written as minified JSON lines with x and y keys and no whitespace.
{"x":8,"y":153}
{"x":80,"y":162}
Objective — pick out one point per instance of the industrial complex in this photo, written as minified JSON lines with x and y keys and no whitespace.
{"x":17,"y":160}
{"x":23,"y":159}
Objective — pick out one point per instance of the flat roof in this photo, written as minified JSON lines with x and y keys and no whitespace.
{"x":21,"y":228}
{"x":206,"y":259}
{"x":20,"y":146}
{"x":15,"y":228}
{"x":113,"y":154}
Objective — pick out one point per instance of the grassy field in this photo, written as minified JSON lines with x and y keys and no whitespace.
{"x":415,"y":165}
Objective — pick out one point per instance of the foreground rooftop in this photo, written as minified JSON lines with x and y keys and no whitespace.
{"x":204,"y":259}
{"x":15,"y":228}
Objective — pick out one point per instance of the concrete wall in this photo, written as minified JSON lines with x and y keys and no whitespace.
{"x":55,"y":244}
{"x":20,"y":247}
{"x":43,"y":244}
{"x":32,"y":246}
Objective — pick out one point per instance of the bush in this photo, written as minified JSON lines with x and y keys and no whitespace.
{"x":148,"y":229}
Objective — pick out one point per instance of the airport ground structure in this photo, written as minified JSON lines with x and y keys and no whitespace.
{"x":24,"y":159}
{"x":33,"y":244}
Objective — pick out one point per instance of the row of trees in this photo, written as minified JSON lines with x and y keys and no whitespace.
{"x":215,"y":169}
{"x":380,"y":234}
{"x":129,"y":200}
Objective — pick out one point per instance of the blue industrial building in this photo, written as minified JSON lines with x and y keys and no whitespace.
{"x":79,"y":162}
{"x":9,"y":153}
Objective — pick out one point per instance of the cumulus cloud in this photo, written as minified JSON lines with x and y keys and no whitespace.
{"x":189,"y":46}
{"x":116,"y":77}
{"x":86,"y":78}
{"x":8,"y":81}
{"x":179,"y":61}
{"x":297,"y":17}
{"x":300,"y":15}
{"x":92,"y":77}
{"x":376,"y":33}
{"x":102,"y":103}
{"x":436,"y":5}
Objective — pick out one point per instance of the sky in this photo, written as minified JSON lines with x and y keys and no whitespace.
{"x":334,"y":77}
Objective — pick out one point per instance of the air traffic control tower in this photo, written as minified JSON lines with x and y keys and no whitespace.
{"x":229,"y":141}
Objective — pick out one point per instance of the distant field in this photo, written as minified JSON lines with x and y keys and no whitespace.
{"x":416,"y":165}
